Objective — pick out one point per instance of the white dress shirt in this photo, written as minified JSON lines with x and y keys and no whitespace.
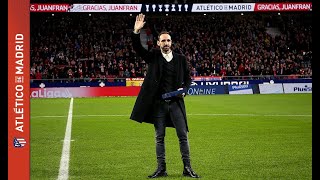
{"x":168,"y":56}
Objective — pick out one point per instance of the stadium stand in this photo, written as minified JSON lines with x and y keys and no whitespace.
{"x":98,"y":45}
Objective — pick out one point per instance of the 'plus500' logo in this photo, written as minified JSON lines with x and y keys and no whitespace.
{"x":302,"y":89}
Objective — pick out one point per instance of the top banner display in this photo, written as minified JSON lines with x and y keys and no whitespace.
{"x":167,"y":8}
{"x":307,"y":6}
{"x":49,"y":7}
{"x":105,"y":8}
{"x":223,"y":7}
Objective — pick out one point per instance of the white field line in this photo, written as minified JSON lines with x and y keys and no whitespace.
{"x":127,"y":115}
{"x":64,"y":162}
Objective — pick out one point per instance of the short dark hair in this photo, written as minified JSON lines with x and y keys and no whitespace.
{"x":163,"y":32}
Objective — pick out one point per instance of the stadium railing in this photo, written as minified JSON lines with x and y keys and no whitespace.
{"x":252,"y":77}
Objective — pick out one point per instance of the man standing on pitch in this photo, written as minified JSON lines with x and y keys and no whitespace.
{"x":167,"y":72}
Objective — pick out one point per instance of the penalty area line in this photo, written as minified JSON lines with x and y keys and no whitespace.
{"x":65,"y":156}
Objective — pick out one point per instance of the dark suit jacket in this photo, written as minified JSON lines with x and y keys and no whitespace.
{"x":142,"y":110}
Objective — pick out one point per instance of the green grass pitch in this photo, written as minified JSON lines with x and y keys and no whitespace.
{"x":231,"y":137}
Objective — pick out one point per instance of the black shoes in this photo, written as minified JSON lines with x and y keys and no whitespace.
{"x":187,"y":171}
{"x":160,"y":172}
{"x":157,"y":173}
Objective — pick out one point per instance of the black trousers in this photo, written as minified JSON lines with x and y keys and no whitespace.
{"x":170,"y":111}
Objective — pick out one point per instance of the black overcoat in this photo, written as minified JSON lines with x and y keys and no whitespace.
{"x":142,"y":110}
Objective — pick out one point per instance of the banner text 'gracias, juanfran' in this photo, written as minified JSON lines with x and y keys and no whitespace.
{"x":168,"y":8}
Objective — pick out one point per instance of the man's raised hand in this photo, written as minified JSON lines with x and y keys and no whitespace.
{"x":139,"y":23}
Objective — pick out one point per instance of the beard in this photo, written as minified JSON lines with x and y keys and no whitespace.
{"x":166,"y":49}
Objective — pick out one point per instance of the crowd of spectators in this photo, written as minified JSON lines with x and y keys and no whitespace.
{"x":98,"y":45}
